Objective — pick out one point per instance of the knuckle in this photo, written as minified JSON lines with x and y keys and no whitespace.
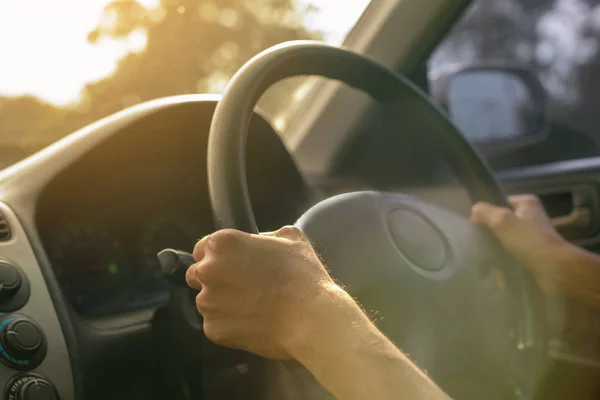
{"x":199,"y":302}
{"x":500,"y":218}
{"x":531,"y":200}
{"x":214,"y":332}
{"x":192,"y":277}
{"x":290,"y":232}
{"x":198,"y":252}
{"x":477,"y":209}
{"x":201,"y":272}
{"x":202,"y":302}
{"x":480,"y":205}
{"x":223,"y":240}
{"x":199,"y":275}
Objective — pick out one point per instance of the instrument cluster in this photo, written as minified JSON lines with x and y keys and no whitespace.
{"x":104,"y":271}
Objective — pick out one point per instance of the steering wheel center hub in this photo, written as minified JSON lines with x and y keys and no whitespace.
{"x":418,"y":239}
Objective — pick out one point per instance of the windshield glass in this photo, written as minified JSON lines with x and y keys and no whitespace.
{"x":73,"y":62}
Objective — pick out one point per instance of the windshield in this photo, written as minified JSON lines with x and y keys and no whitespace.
{"x":73,"y":62}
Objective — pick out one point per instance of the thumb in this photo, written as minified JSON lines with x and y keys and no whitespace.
{"x":498,"y":219}
{"x":289,"y":232}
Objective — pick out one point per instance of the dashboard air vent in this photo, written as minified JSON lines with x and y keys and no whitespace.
{"x":4,"y":229}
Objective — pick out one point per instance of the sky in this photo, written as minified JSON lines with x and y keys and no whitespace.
{"x":44,"y":50}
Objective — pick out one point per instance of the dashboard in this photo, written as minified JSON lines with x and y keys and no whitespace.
{"x":99,"y":205}
{"x":104,"y":251}
{"x":104,"y":218}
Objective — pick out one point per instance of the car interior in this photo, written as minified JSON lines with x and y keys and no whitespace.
{"x":82,"y":221}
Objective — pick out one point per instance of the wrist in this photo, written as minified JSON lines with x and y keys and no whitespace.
{"x":322,"y":320}
{"x":565,"y":254}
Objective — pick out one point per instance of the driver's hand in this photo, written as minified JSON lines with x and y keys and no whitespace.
{"x":527,"y":233}
{"x":255,"y":290}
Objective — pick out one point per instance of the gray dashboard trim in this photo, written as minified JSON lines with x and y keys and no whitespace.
{"x":557,"y":170}
{"x":40,"y":308}
{"x":20,"y":188}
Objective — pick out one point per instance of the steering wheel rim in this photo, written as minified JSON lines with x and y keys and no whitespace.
{"x":227,"y":181}
{"x":228,"y":189}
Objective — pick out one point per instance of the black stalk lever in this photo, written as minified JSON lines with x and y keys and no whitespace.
{"x":174,"y":264}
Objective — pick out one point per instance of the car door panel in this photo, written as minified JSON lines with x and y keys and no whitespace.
{"x":570,"y":192}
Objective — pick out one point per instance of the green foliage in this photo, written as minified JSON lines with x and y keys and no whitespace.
{"x":188,"y":43}
{"x":24,"y":118}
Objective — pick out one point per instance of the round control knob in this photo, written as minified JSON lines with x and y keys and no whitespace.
{"x":22,"y":343}
{"x":10,"y":281}
{"x":30,"y":387}
{"x":22,"y":338}
{"x":37,"y":389}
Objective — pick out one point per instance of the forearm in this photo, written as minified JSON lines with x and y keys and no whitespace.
{"x":579,"y":274}
{"x":352,"y":359}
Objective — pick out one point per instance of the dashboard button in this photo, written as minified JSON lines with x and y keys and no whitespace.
{"x":22,"y":338}
{"x":37,"y":389}
{"x":22,"y":343}
{"x":30,"y":387}
{"x":10,"y":281}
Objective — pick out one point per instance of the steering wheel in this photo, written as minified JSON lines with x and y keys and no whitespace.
{"x":443,"y":289}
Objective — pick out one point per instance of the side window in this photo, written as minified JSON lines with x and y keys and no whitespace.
{"x":558,"y":42}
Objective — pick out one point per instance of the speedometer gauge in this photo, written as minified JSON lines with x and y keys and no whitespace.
{"x":91,"y":267}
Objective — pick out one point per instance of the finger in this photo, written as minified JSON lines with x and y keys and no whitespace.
{"x":208,"y":272}
{"x":222,"y":332}
{"x":192,"y":277}
{"x":496,"y":218}
{"x":200,"y":248}
{"x":227,"y":241}
{"x":524,"y":200}
{"x":290,"y":232}
{"x":205,"y":304}
{"x":479,"y":212}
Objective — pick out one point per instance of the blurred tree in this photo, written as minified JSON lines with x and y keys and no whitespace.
{"x":192,"y":45}
{"x":560,"y":40}
{"x":23,"y":121}
{"x":495,"y":30}
{"x":177,"y":47}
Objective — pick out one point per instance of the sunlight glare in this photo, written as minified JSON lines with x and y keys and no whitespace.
{"x":149,"y":4}
{"x":208,"y":12}
{"x":46,"y":53}
{"x":303,"y":90}
{"x":217,"y":82}
{"x":137,"y":41}
{"x":108,"y":20}
{"x":279,"y":123}
{"x":229,"y":17}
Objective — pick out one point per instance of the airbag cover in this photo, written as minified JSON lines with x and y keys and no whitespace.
{"x":417,"y":239}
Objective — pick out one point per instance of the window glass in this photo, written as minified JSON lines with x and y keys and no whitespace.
{"x":71,"y":62}
{"x":560,"y":41}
